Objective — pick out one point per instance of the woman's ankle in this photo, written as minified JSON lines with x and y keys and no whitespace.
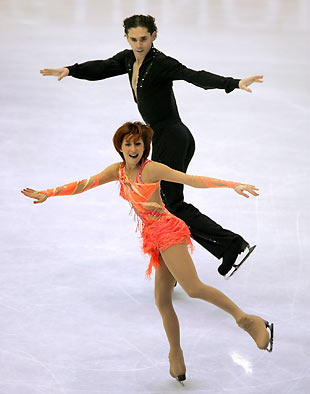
{"x":175,"y":352}
{"x":239,"y":315}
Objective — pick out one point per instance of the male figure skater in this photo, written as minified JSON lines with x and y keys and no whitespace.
{"x":151,"y":75}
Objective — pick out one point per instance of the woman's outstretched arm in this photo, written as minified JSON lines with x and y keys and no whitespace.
{"x":158,"y":171}
{"x":107,"y":175}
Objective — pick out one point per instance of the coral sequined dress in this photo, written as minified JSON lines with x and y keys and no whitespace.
{"x":159,"y":228}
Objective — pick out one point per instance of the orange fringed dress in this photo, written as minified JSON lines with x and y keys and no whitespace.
{"x":159,"y":228}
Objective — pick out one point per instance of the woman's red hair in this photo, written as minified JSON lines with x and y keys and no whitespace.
{"x":134,"y":130}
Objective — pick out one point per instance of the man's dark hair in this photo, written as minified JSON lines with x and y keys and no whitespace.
{"x":147,"y":21}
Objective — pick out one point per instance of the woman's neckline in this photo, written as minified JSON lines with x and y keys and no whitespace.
{"x":135,"y":181}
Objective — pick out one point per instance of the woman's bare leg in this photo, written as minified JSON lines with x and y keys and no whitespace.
{"x":164,"y":284}
{"x":180,"y":264}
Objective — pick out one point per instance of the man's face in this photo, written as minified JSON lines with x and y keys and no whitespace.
{"x":140,"y":41}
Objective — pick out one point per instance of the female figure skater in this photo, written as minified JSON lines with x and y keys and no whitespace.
{"x":151,"y":75}
{"x":165,"y":237}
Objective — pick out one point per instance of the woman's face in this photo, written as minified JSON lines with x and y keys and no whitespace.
{"x":132,"y":151}
{"x":140,"y":41}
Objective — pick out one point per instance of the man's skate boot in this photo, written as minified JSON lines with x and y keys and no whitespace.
{"x":231,"y":259}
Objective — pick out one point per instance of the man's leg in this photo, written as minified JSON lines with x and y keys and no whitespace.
{"x":175,"y":148}
{"x":204,"y":230}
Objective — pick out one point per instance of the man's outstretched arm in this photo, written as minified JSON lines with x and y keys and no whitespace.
{"x":174,"y":70}
{"x":244,"y":83}
{"x":93,"y":70}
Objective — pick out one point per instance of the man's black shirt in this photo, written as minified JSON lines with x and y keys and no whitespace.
{"x":173,"y":143}
{"x":155,"y":97}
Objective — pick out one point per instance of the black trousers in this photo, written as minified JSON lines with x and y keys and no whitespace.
{"x":174,"y":145}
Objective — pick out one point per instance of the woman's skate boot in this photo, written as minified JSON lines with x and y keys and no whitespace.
{"x":257,"y":328}
{"x":177,"y":367}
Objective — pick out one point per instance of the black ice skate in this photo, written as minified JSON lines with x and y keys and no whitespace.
{"x":231,"y":259}
{"x":237,"y":265}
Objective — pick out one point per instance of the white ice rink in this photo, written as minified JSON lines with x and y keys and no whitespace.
{"x":77,"y":316}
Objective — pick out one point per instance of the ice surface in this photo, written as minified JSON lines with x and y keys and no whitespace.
{"x":76,"y":314}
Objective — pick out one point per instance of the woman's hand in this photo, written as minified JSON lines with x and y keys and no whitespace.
{"x":40,"y":197}
{"x":244,"y":83}
{"x":57,"y":72}
{"x":240,"y":189}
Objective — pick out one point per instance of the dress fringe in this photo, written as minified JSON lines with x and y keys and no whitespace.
{"x":160,"y":235}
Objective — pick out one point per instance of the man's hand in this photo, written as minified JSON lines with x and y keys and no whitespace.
{"x":40,"y":197}
{"x":244,"y":83}
{"x":249,"y":188}
{"x":57,"y":72}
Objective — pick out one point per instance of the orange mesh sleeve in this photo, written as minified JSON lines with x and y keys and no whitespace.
{"x":202,"y":181}
{"x":73,"y":187}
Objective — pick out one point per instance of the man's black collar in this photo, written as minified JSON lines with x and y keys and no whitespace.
{"x":148,"y":58}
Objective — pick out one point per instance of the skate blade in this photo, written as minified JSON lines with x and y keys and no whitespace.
{"x":235,"y":267}
{"x":180,"y":379}
{"x":271,"y":330}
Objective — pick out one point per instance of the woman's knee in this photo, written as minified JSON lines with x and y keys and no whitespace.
{"x":194,"y":290}
{"x":163,"y":299}
{"x":162,"y":303}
